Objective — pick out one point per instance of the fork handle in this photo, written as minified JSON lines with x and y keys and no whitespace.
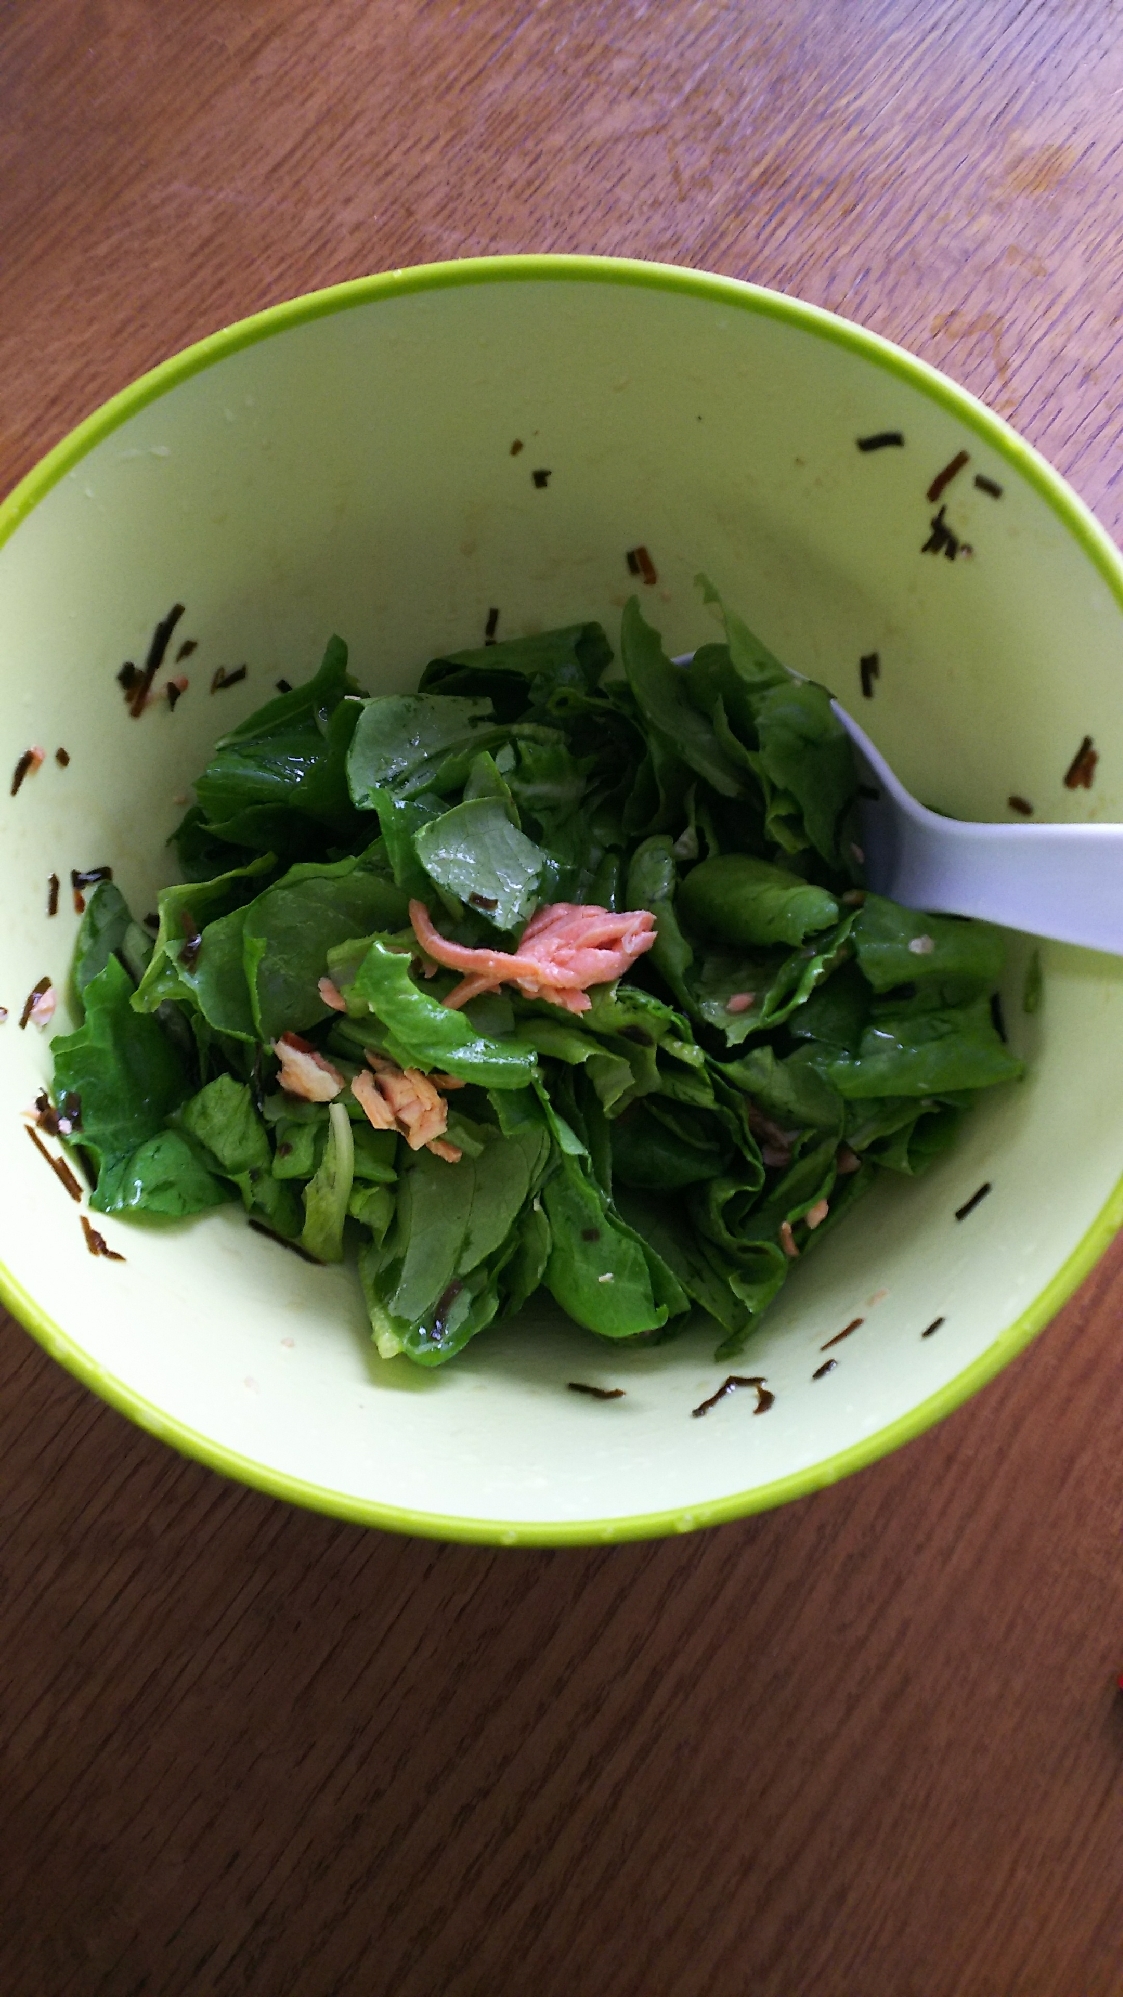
{"x":1060,"y":881}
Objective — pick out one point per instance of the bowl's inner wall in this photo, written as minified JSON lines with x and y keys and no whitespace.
{"x":356,"y":473}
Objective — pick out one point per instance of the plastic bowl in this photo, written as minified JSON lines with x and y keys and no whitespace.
{"x":362,"y":461}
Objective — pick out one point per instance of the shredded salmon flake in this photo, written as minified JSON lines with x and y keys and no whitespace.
{"x":375,"y":1107}
{"x":331,"y":995}
{"x":565,"y":948}
{"x":404,"y":1100}
{"x":304,"y":1072}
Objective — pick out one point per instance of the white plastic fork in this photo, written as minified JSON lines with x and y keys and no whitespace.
{"x":1060,"y":881}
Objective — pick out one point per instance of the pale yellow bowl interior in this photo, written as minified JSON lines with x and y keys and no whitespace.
{"x":345,"y":464}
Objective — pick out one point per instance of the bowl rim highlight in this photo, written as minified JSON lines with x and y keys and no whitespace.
{"x":1080,"y":523}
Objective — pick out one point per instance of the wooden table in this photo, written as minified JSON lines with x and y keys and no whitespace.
{"x":867,"y":1746}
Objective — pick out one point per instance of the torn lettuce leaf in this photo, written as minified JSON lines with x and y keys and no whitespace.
{"x":793,"y":1092}
{"x":290,"y":929}
{"x":663,"y":698}
{"x":434,"y":1283}
{"x":925,"y":1054}
{"x":196,"y":959}
{"x":607,"y":1277}
{"x":327,"y":1194}
{"x":101,"y":934}
{"x":419,"y":1032}
{"x":403,"y":741}
{"x":516,"y":674}
{"x":900,"y":946}
{"x":129,"y":1078}
{"x":800,"y":751}
{"x":652,"y":884}
{"x":476,"y":853}
{"x":736,"y":899}
{"x":278,"y":782}
{"x":162,"y":1179}
{"x":233,"y":1142}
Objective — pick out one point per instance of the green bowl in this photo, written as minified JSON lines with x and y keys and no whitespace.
{"x":361,"y":461}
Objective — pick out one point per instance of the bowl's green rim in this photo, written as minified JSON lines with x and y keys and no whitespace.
{"x":1080,"y":523}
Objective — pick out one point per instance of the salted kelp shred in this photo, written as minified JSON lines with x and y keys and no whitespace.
{"x":846,"y":1332}
{"x":27,"y":765}
{"x":944,"y":478}
{"x":969,"y":1206}
{"x":1082,"y":769}
{"x":764,"y":1398}
{"x":138,"y":686}
{"x":59,"y":1166}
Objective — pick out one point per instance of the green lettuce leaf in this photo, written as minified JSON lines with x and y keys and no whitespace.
{"x":734,"y":898}
{"x":186,"y":913}
{"x":801,"y":752}
{"x":754,"y":667}
{"x":327,"y":1195}
{"x":836,"y":1012}
{"x":781,"y":983}
{"x":402,"y":742}
{"x":422,"y":1033}
{"x":290,"y":929}
{"x":915,"y":1146}
{"x":518,"y":673}
{"x":599,"y":1270}
{"x":793,"y":1091}
{"x":162,"y":1179}
{"x":665,"y":1226}
{"x":661,"y":1146}
{"x":566,"y":802}
{"x":926,"y":1054}
{"x":300,"y":1146}
{"x":652,"y":884}
{"x":400,"y":820}
{"x":129,"y":1078}
{"x":101,"y":934}
{"x":900,"y":946}
{"x":226,"y":1128}
{"x":375,"y":1153}
{"x":283,"y":773}
{"x":476,"y":853}
{"x":216,"y":981}
{"x":523,"y":1274}
{"x":662,"y":692}
{"x":374,"y":1208}
{"x":487,"y":777}
{"x":457,"y":1226}
{"x":805,"y":755}
{"x":302,"y":705}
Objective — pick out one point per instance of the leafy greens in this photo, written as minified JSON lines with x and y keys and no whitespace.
{"x":663,"y":1151}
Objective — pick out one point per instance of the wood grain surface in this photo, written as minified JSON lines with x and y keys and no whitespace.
{"x":867,"y":1746}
